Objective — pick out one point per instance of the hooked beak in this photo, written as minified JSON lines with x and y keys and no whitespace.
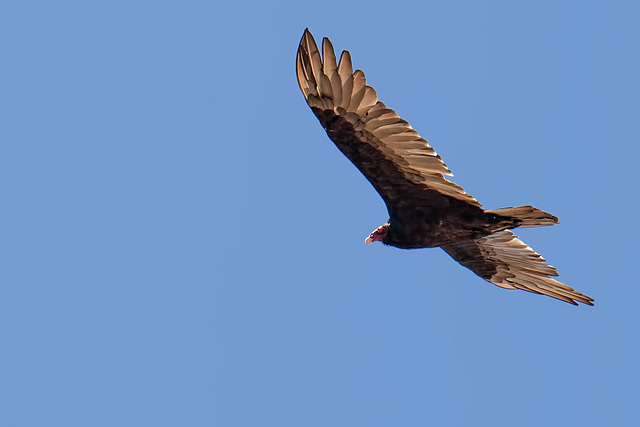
{"x":368,"y":240}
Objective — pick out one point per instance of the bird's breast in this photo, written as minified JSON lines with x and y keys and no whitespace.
{"x":432,"y":229}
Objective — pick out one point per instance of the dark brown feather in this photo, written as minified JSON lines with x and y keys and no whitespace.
{"x":505,"y":261}
{"x":425,"y":209}
{"x":392,"y":156}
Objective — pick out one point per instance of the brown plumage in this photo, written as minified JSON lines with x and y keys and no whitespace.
{"x":425,"y":208}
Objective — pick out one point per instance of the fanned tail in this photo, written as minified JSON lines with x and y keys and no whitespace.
{"x":528,"y":216}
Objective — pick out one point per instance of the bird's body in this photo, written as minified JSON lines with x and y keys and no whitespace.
{"x":425,"y":209}
{"x":428,"y":227}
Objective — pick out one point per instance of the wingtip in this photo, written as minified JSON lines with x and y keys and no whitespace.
{"x":306,"y":34}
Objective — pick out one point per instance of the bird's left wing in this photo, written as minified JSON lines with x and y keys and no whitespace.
{"x":399,"y":163}
{"x":506,"y":261}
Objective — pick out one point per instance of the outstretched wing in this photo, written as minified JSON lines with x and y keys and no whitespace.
{"x":392,"y":156}
{"x":506,"y":261}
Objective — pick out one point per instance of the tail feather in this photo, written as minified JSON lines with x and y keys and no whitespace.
{"x":528,"y":216}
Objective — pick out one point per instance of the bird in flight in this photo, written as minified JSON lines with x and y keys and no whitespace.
{"x":425,"y":208}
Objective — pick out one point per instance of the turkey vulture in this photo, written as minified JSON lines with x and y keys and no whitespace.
{"x":425,"y":209}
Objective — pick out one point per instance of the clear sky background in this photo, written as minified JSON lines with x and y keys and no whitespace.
{"x":182,"y":245}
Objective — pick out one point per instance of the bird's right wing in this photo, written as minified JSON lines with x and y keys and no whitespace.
{"x":400,"y":164}
{"x":506,"y":261}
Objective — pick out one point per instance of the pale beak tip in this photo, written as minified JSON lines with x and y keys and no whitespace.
{"x":368,"y":240}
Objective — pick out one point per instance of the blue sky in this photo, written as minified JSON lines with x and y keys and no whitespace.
{"x":183,"y":245}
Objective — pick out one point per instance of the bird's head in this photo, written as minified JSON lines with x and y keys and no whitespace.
{"x":378,"y":234}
